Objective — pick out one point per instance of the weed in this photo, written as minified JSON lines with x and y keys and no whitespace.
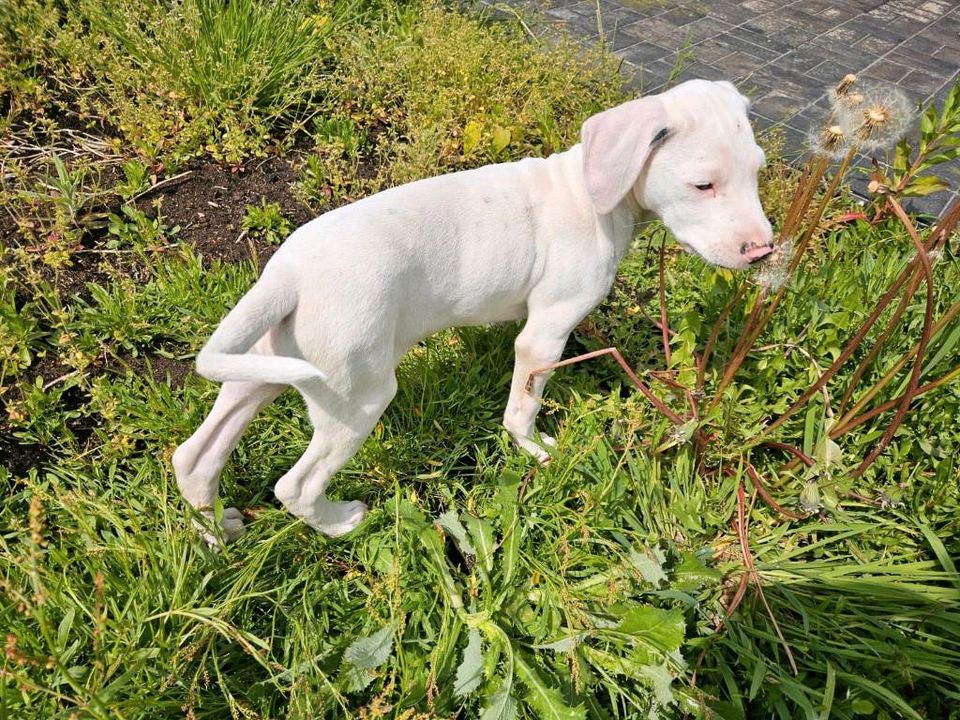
{"x":267,"y":222}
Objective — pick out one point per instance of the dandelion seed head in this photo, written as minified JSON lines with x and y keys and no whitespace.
{"x":831,"y":141}
{"x":874,"y":117}
{"x":845,"y":84}
{"x":774,"y":272}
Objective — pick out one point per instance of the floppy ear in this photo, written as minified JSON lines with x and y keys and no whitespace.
{"x":616,"y":144}
{"x":727,"y":85}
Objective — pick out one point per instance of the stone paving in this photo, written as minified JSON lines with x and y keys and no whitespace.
{"x":781,"y":53}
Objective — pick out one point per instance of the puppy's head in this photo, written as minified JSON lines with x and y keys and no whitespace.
{"x":689,"y":156}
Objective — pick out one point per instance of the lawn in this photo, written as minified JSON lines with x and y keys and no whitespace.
{"x":763,"y":525}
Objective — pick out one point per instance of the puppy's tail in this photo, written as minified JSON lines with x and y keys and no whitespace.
{"x":225,"y":356}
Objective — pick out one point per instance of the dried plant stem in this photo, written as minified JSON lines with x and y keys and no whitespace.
{"x":921,"y":347}
{"x":612,"y":351}
{"x":952,"y":312}
{"x":878,"y":345}
{"x":715,"y":333}
{"x":756,"y":323}
{"x":845,"y":425}
{"x":664,"y":328}
{"x":798,"y":454}
{"x":765,"y":494}
{"x":809,"y":179}
{"x":751,"y":570}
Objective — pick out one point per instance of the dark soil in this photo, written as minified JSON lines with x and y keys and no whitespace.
{"x":210,"y":203}
{"x":19,"y":459}
{"x":164,"y":370}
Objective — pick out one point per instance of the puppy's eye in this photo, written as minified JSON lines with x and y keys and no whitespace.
{"x":704,"y":186}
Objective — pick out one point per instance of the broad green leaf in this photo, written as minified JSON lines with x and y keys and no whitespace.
{"x":692,"y":573}
{"x":564,"y":644}
{"x":901,"y":159}
{"x":928,"y":122}
{"x":862,"y":706}
{"x":355,"y":679}
{"x":662,"y":628}
{"x":501,"y":138}
{"x":547,"y":701}
{"x":658,"y":677}
{"x":371,"y":651}
{"x":481,"y":533}
{"x":470,"y":670}
{"x":507,"y":493}
{"x":648,"y":565}
{"x":471,"y":136}
{"x":500,"y":705}
{"x":828,"y":453}
{"x":430,"y":539}
{"x":925,"y":185}
{"x":63,"y":631}
{"x":452,"y":525}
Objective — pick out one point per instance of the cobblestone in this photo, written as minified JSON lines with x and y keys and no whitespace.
{"x":782,"y":53}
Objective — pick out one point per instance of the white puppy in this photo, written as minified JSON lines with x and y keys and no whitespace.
{"x":351,"y":291}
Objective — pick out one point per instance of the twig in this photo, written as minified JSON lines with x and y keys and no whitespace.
{"x":848,"y":425}
{"x":922,"y":346}
{"x":752,"y":570}
{"x":162,"y":183}
{"x":664,"y":328}
{"x":762,"y":490}
{"x":796,"y":452}
{"x":53,"y":382}
{"x":641,"y":386}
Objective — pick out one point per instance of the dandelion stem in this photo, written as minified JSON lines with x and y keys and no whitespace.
{"x":922,"y":345}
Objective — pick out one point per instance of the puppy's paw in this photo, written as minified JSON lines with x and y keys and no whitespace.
{"x":339,"y":518}
{"x":537,"y":448}
{"x":230,"y":528}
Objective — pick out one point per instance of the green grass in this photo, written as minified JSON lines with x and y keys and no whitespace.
{"x":481,"y":584}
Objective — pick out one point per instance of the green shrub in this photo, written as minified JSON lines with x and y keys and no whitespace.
{"x":441,"y":91}
{"x":176,"y":78}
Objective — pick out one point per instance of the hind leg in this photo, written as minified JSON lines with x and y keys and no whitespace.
{"x":341,"y":424}
{"x":198,"y":461}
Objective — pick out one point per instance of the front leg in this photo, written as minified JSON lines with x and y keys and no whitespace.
{"x":539,"y":344}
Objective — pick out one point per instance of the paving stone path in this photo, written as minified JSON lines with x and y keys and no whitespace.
{"x":782,"y":53}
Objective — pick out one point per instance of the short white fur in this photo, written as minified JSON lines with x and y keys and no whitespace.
{"x":351,"y":291}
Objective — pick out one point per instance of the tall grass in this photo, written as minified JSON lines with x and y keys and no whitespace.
{"x":623,"y":579}
{"x":176,"y":78}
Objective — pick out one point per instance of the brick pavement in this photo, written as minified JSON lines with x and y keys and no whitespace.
{"x":781,"y":53}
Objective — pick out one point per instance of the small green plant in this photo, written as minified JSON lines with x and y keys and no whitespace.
{"x":266,"y":221}
{"x":132,"y":228}
{"x":135,"y":179}
{"x":341,"y":133}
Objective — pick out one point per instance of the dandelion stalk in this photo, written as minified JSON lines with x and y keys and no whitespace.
{"x":936,"y":239}
{"x":952,"y":312}
{"x":921,"y":348}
